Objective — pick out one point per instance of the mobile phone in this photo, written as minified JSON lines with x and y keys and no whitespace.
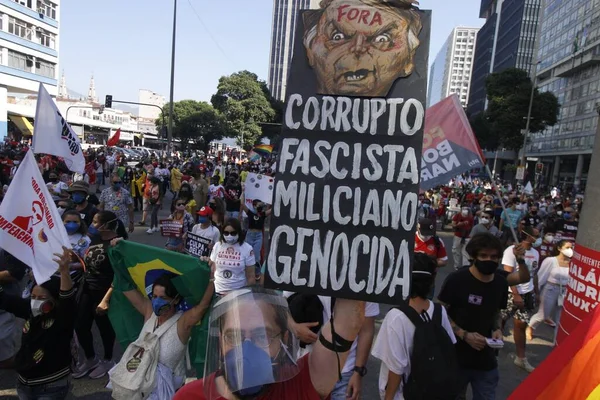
{"x":495,"y":343}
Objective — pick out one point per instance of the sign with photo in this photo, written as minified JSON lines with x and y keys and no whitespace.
{"x":197,"y":245}
{"x":347,"y":180}
{"x":171,"y":228}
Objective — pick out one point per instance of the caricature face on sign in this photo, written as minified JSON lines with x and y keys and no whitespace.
{"x":360,"y":47}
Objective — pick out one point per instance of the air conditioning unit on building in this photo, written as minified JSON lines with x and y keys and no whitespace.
{"x":39,"y":29}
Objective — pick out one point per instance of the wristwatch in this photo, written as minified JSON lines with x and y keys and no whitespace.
{"x":362,"y":371}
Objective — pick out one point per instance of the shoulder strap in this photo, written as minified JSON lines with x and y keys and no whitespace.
{"x":167,"y":325}
{"x":437,"y":313}
{"x":411,"y":313}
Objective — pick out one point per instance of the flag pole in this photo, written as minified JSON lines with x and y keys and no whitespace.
{"x":495,"y":187}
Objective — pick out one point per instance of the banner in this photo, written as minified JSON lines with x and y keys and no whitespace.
{"x":449,"y":144}
{"x":53,"y":135}
{"x":114,"y":139}
{"x":171,"y":228}
{"x":583,"y":291}
{"x":31,"y":228}
{"x":258,"y":187}
{"x":347,"y":180}
{"x":571,"y":370}
{"x":196,"y":245}
{"x":138,"y":266}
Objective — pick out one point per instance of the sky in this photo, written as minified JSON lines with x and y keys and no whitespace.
{"x":126,"y":45}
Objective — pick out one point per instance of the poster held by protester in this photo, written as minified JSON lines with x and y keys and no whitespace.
{"x":53,"y":135}
{"x":31,"y":228}
{"x":258,"y":187}
{"x":347,"y":178}
{"x":196,"y":245}
{"x":171,"y":228}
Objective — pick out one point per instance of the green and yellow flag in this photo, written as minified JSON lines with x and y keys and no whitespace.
{"x":138,"y":266}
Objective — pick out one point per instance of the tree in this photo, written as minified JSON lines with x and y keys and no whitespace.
{"x":195,"y":122}
{"x":509,"y":94}
{"x":245,"y":104}
{"x":483,"y":132}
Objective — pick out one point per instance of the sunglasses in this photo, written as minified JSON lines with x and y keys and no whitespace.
{"x":229,"y":233}
{"x":180,"y":204}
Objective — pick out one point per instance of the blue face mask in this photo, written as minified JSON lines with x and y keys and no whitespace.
{"x":93,"y":231}
{"x":566,"y":215}
{"x":255,"y":367}
{"x":117,"y":186}
{"x":425,"y":206}
{"x":160,"y":306}
{"x":71,"y":227}
{"x":78,"y":198}
{"x":203,"y":220}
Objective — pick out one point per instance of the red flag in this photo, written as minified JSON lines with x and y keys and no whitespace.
{"x":114,"y":139}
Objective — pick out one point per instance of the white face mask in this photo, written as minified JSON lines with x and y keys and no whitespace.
{"x":465,"y":213}
{"x":549,"y":239}
{"x":424,"y":238}
{"x":484,"y":221}
{"x":567,"y":252}
{"x":36,"y":307}
{"x":232,"y":239}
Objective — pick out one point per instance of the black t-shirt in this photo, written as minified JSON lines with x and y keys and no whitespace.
{"x":532,"y":220}
{"x":87,"y":214}
{"x":473,"y":306}
{"x":99,"y":274}
{"x":232,"y":197}
{"x":256,"y":221}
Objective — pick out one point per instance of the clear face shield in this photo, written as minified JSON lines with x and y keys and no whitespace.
{"x":250,"y":345}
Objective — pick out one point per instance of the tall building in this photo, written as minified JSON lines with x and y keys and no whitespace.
{"x":91,"y":97}
{"x":62,"y":87}
{"x":570,"y":68}
{"x":506,"y":40}
{"x":283,"y":30}
{"x":451,"y":70}
{"x":29,"y":42}
{"x":149,"y":97}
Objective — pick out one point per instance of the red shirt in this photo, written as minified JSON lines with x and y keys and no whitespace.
{"x":298,"y":388}
{"x":464,"y":230}
{"x":430,"y":248}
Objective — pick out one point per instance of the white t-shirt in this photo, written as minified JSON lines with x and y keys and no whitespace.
{"x":231,"y":262}
{"x":394,"y":345}
{"x":212,"y":233}
{"x":532,"y":259}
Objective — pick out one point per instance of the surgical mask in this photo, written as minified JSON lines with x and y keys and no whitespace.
{"x":559,"y":213}
{"x":71,"y":227}
{"x":253,"y":364}
{"x":37,"y":307}
{"x":93,"y":231}
{"x":465,"y":213}
{"x":549,"y":239}
{"x":567,"y":252}
{"x":232,"y":239}
{"x":203,"y":220}
{"x":117,"y":186}
{"x":484,"y":221}
{"x":425,"y":205}
{"x":567,"y":215}
{"x":537,"y":243}
{"x":78,"y":198}
{"x":160,"y":306}
{"x":487,"y":267}
{"x":61,"y":210}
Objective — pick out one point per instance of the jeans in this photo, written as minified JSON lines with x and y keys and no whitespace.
{"x":457,"y":251}
{"x":549,"y":307}
{"x":232,"y":214}
{"x":339,"y":390}
{"x":255,"y":239}
{"x":483,"y":383}
{"x":100,"y":178}
{"x":52,"y":391}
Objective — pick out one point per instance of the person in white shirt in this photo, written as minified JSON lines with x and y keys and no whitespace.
{"x":394,"y":343}
{"x":205,"y":227}
{"x":232,"y":259}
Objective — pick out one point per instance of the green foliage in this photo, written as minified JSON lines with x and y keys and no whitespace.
{"x":509,"y":93}
{"x":196,"y":123}
{"x":245,"y":104}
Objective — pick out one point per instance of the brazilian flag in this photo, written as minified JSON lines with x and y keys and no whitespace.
{"x":138,"y":266}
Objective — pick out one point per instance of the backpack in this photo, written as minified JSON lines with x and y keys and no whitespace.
{"x":134,"y":377}
{"x":434,"y":369}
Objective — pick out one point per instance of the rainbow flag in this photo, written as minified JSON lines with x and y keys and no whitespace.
{"x":264,"y":149}
{"x":253,"y":157}
{"x":571,"y":371}
{"x":138,"y":266}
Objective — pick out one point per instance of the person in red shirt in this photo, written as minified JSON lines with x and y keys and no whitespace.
{"x":427,"y":242}
{"x":462,"y":224}
{"x":252,"y":350}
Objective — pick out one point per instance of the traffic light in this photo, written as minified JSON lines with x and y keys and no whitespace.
{"x":108,"y":101}
{"x":539,"y":168}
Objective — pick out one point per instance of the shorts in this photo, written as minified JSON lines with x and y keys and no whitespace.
{"x":512,"y":311}
{"x":146,"y":205}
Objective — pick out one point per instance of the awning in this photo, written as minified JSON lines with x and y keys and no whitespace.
{"x":23,"y":124}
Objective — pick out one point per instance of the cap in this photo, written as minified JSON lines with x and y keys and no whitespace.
{"x":426,"y":227}
{"x":205,"y":211}
{"x":79,"y":186}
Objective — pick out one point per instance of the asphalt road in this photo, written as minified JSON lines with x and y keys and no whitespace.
{"x":510,"y":375}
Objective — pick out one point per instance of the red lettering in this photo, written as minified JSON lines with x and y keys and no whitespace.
{"x":353,"y":14}
{"x":377,"y":19}
{"x":341,"y":12}
{"x":361,"y":16}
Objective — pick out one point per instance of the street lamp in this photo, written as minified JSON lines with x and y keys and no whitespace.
{"x":170,"y":131}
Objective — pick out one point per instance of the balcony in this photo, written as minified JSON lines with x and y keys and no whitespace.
{"x":576,"y":64}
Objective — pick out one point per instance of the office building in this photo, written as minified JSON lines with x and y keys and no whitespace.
{"x":570,"y":68}
{"x":149,"y":97}
{"x":29,"y":42}
{"x":506,"y":40}
{"x":283,"y":32}
{"x":451,"y":70}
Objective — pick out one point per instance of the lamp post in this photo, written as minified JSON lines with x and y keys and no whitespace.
{"x":170,"y":131}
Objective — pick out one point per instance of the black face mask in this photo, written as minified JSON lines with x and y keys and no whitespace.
{"x":487,"y":267}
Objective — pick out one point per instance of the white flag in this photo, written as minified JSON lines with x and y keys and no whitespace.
{"x":31,"y":228}
{"x":52,"y":134}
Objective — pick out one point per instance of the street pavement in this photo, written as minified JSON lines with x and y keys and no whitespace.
{"x":510,"y":375}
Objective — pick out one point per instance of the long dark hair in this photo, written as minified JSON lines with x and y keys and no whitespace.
{"x":558,"y":246}
{"x":235,"y":224}
{"x":82,"y":225}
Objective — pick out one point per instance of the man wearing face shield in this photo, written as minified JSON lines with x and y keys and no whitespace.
{"x":251,"y":352}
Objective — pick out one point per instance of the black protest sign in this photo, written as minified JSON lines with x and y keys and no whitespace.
{"x":196,"y":245}
{"x":346,"y":189}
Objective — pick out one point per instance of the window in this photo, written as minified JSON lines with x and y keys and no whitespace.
{"x":47,"y":8}
{"x":26,"y":3}
{"x":19,"y":61}
{"x":45,"y":68}
{"x":46,"y":38}
{"x":19,"y":28}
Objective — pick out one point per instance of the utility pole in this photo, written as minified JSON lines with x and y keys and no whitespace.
{"x":170,"y":131}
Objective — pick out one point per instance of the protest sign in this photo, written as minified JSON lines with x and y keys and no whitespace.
{"x":196,"y":245}
{"x":258,"y":187}
{"x":347,"y":179}
{"x":171,"y":228}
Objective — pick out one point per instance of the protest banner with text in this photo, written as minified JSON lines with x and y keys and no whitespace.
{"x":347,"y":178}
{"x":196,"y":245}
{"x":171,"y":228}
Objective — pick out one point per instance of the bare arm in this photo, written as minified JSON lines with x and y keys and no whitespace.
{"x":6,"y":277}
{"x":100,"y":206}
{"x":141,"y":303}
{"x":392,"y":386}
{"x":251,"y":275}
{"x":323,"y":363}
{"x":191,"y":317}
